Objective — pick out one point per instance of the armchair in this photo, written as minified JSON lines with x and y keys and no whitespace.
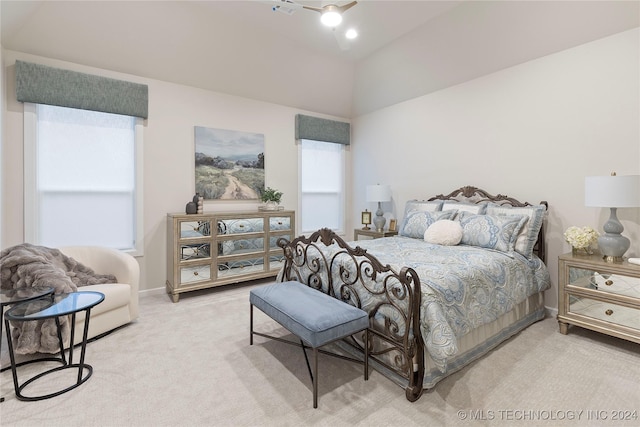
{"x":120,"y":305}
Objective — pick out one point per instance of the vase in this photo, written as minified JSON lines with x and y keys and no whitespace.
{"x":581,"y":251}
{"x":191,"y":208}
{"x":270,"y":205}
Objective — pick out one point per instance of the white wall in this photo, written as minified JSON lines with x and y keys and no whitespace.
{"x":533,"y":132}
{"x":174,"y":110}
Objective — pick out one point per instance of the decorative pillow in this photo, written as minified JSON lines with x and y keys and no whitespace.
{"x":422,"y":205}
{"x":528,"y":235}
{"x":473,"y":208}
{"x":444,"y":232}
{"x":417,"y":222}
{"x":490,"y":231}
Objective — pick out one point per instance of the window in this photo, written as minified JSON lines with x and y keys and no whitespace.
{"x":322,"y":186}
{"x":83,"y":175}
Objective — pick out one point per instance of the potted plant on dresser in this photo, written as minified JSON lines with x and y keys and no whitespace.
{"x":271,"y":199}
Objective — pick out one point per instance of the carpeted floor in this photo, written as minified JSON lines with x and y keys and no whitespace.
{"x":190,"y":364}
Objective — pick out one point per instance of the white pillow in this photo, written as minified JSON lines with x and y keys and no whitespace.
{"x":474,"y":208}
{"x":444,"y":232}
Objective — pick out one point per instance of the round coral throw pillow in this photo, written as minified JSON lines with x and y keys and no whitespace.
{"x":444,"y":232}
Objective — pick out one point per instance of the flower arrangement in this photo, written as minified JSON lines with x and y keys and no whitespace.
{"x":581,"y":237}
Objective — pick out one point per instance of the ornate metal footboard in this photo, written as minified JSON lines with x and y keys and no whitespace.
{"x":327,"y":263}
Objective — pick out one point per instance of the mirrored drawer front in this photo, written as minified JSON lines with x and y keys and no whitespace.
{"x":279,"y":223}
{"x":195,"y":274}
{"x":613,"y":283}
{"x":195,"y":251}
{"x":606,"y":311}
{"x":276,"y":262}
{"x":241,"y":246}
{"x":246,"y":266}
{"x":191,"y":229}
{"x":236,"y":226}
{"x":273,"y":241}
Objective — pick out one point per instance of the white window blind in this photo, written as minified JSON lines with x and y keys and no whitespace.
{"x":82,"y":178}
{"x":322,"y":186}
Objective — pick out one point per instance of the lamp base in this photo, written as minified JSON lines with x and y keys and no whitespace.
{"x":613,"y":259}
{"x":613,"y":244}
{"x":379,"y":220}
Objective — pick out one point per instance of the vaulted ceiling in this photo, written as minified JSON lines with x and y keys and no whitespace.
{"x":405,"y":48}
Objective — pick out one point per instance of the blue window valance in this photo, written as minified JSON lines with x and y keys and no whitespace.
{"x":317,"y":129}
{"x":41,"y":84}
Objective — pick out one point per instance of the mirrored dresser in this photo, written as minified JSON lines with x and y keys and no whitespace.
{"x":214,"y":249}
{"x":598,"y":295}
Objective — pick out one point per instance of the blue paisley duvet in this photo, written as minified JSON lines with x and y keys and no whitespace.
{"x":463,"y":287}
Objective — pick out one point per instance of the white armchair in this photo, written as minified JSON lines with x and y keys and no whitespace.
{"x":120,"y":305}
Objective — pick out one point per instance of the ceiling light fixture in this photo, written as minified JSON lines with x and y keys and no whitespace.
{"x":351,"y":34}
{"x":331,"y":16}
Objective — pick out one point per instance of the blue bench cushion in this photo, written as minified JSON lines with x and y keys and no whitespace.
{"x":313,"y":316}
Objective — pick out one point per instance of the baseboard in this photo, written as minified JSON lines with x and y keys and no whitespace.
{"x":551,"y":312}
{"x":151,"y":292}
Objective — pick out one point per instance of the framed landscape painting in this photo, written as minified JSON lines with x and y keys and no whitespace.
{"x":229,"y":164}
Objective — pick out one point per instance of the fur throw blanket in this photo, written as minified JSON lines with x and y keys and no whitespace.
{"x":28,"y":265}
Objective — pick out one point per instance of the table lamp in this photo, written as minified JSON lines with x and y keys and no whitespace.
{"x":612,"y":192}
{"x":379,"y":193}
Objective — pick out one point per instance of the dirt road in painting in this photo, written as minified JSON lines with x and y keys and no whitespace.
{"x":236,"y":190}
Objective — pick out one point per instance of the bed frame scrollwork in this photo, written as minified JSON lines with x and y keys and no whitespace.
{"x":391,"y":298}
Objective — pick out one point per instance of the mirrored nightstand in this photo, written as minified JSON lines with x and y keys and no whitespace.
{"x":597,"y":295}
{"x":371,"y":234}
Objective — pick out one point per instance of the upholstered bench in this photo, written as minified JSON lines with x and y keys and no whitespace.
{"x":314,"y":317}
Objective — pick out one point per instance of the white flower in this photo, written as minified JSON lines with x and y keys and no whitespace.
{"x":581,"y":237}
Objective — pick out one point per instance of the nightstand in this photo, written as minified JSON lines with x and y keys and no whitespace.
{"x":597,"y":295}
{"x":373,"y":234}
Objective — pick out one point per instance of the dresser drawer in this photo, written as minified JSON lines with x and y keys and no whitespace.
{"x":279,"y":223}
{"x":603,"y":282}
{"x":197,"y":273}
{"x":241,"y":225}
{"x":605,"y":311}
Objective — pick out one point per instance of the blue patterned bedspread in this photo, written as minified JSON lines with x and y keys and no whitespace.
{"x":463,"y":287}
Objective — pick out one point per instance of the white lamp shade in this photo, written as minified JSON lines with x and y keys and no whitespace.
{"x":612,"y":191}
{"x":378,"y":193}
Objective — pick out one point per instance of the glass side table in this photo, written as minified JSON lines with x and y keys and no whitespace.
{"x":14,"y":296}
{"x":47,"y":308}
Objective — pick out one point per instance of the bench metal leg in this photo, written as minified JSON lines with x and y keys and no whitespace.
{"x":315,"y":375}
{"x":313,"y":372}
{"x":251,"y":324}
{"x":366,"y":354}
{"x":306,"y":359}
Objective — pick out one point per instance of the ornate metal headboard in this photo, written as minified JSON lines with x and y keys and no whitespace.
{"x":475,"y":195}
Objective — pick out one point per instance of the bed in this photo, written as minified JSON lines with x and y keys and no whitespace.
{"x":434,"y":306}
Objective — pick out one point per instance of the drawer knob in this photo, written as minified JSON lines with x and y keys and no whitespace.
{"x":609,"y":312}
{"x":609,"y":282}
{"x":195,"y":273}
